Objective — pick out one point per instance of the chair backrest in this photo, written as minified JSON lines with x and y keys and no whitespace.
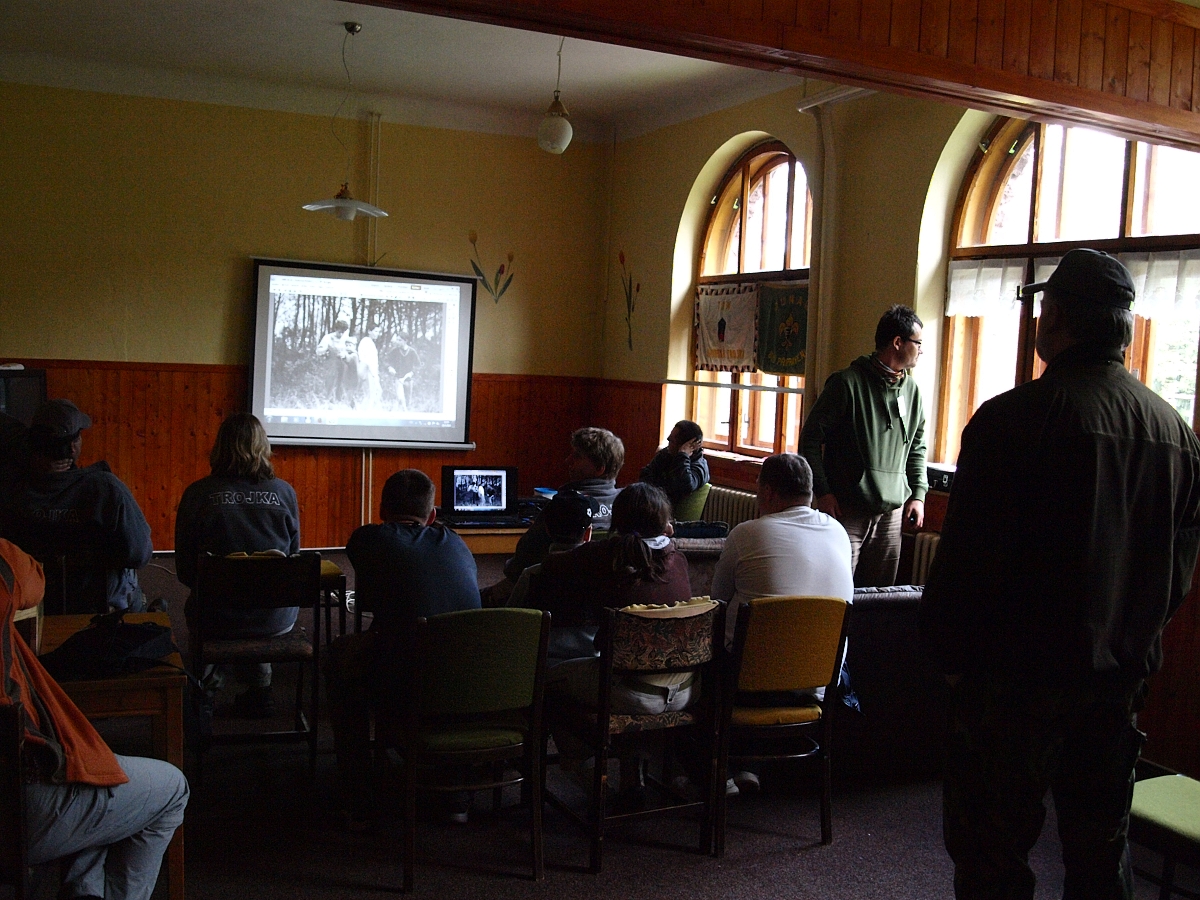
{"x":644,"y":644}
{"x":691,"y":507}
{"x":790,"y":643}
{"x":258,"y":582}
{"x":480,"y":661}
{"x":13,"y":838}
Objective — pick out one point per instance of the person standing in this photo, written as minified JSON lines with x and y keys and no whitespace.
{"x":340,"y":347}
{"x":865,"y":442}
{"x":240,"y":507}
{"x":1070,"y":539}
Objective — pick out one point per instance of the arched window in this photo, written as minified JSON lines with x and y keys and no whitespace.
{"x":759,"y":228}
{"x":1031,"y":193}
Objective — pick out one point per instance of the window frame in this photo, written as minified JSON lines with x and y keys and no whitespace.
{"x":972,"y":217}
{"x":785,"y":386}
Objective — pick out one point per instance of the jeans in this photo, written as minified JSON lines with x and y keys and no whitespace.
{"x":874,"y":547}
{"x":111,"y":840}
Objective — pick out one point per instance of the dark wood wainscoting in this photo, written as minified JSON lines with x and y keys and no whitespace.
{"x":155,"y":423}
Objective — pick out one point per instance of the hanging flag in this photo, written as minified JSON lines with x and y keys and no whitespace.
{"x":726,"y":325}
{"x":782,"y":328}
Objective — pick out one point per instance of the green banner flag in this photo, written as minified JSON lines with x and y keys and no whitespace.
{"x":782,"y":328}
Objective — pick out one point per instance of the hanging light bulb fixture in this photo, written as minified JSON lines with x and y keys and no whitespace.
{"x":342,"y":204}
{"x":555,"y":132}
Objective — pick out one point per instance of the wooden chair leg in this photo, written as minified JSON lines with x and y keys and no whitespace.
{"x":410,"y":820}
{"x":535,"y":776}
{"x":826,"y":799}
{"x":598,"y":803}
{"x":316,"y":712}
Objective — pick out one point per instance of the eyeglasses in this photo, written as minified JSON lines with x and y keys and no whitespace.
{"x":912,"y":341}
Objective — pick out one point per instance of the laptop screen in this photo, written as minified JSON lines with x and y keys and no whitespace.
{"x":479,"y":492}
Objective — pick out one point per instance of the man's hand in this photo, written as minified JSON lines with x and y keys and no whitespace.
{"x":914,"y":513}
{"x":691,"y":446}
{"x":828,"y":504}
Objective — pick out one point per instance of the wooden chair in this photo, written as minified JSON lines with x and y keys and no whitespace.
{"x":783,"y":645}
{"x":14,"y":839}
{"x":256,"y":583}
{"x":473,"y":690}
{"x":632,"y":645}
{"x":1165,"y":817}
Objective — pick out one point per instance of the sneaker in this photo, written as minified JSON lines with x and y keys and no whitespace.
{"x":731,"y":789}
{"x":456,"y":809}
{"x":254,"y":703}
{"x":747,"y":782}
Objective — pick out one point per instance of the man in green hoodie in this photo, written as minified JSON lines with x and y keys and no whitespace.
{"x":865,"y":442}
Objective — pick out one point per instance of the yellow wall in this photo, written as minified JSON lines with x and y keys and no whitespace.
{"x":131,"y":222}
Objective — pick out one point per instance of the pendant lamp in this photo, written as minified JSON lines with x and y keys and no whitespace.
{"x":342,"y":204}
{"x":555,"y":132}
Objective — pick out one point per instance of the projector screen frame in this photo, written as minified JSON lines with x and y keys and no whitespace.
{"x":452,"y":347}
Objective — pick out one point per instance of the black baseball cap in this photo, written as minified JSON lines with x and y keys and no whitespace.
{"x":1091,"y":276}
{"x":59,"y":419}
{"x":569,"y":513}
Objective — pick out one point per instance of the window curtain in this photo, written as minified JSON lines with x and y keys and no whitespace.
{"x":726,"y":325}
{"x":983,"y":287}
{"x":1167,"y":284}
{"x":782,"y":328}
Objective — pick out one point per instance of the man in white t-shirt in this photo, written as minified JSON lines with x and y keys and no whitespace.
{"x":791,"y":549}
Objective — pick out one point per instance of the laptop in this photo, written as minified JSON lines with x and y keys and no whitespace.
{"x":480,"y":497}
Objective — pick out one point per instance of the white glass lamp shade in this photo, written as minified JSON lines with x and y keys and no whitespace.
{"x":555,"y":132}
{"x":344,"y":206}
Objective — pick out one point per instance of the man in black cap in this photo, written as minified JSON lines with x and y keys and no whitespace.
{"x":1070,"y":539}
{"x":85,"y":516}
{"x":568,"y":519}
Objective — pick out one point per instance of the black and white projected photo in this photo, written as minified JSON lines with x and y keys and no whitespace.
{"x":376,"y":354}
{"x":479,"y":491}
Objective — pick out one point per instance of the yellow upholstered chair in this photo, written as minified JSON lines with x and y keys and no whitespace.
{"x":1165,"y":817}
{"x":784,"y":649}
{"x":691,"y":507}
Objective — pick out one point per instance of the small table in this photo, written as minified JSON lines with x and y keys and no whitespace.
{"x":156,"y":694}
{"x":483,"y":541}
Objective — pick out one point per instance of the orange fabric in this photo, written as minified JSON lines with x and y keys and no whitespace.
{"x":775,"y":715}
{"x":88,"y":759}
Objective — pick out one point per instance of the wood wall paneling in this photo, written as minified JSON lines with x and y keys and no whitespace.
{"x":989,"y":40}
{"x":1137,"y":63}
{"x":813,"y":16}
{"x":935,"y":27}
{"x":1068,"y":35}
{"x":875,"y":22}
{"x":155,"y":424}
{"x":964,"y":27}
{"x":1182,"y":45}
{"x":1116,"y":50}
{"x":780,"y":11}
{"x":1043,"y":25}
{"x":1091,"y":45}
{"x":1171,"y":718}
{"x":1016,"y":36}
{"x":843,"y":19}
{"x":1161,"y":34}
{"x":906,"y":25}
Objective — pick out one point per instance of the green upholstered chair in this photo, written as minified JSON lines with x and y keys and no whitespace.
{"x":691,"y":507}
{"x":642,"y":643}
{"x":1165,"y":817}
{"x":783,"y":645}
{"x":475,"y":681}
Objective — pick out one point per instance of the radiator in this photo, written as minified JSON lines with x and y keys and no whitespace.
{"x":923,"y":553}
{"x":730,"y":506}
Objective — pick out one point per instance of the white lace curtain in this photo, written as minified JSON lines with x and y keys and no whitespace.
{"x":1167,"y":284}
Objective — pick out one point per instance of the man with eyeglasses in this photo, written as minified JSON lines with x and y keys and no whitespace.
{"x":1070,"y":539}
{"x":865,"y":442}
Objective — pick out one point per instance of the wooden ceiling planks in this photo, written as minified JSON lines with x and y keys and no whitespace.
{"x":1130,"y":66}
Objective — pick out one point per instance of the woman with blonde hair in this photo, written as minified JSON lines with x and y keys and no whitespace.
{"x":240,"y":507}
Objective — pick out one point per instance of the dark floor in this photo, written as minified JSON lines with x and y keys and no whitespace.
{"x":260,"y":826}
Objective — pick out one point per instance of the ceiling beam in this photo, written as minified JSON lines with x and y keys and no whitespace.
{"x":1129,"y":66}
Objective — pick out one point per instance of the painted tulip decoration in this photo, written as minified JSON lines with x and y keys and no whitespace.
{"x":495,"y":286}
{"x":632,"y":289}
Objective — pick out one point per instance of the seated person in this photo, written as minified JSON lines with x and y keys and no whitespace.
{"x":405,"y":569}
{"x":108,"y":818}
{"x":790,"y":550}
{"x":680,"y":467}
{"x":596,"y":457}
{"x":57,"y":508}
{"x":638,"y":564}
{"x":240,"y":507}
